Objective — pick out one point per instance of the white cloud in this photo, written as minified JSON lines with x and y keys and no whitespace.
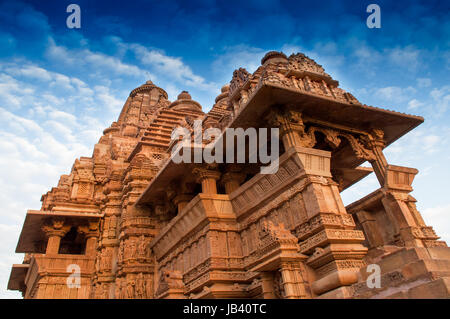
{"x":240,"y":56}
{"x":414,"y":104}
{"x":395,"y":94}
{"x":441,"y":98}
{"x":92,"y":60}
{"x":30,"y":71}
{"x":407,"y":57}
{"x":171,"y":67}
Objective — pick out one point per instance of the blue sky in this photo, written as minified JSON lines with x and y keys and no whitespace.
{"x":60,"y":87}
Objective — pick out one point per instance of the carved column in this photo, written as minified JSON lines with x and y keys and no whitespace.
{"x":280,"y":264}
{"x":371,"y":228}
{"x":181,"y":201}
{"x":292,"y":281}
{"x":292,"y":129}
{"x":376,"y":143}
{"x":232,"y":181}
{"x":329,"y":236}
{"x":54,"y":230}
{"x":208,"y":178}
{"x":399,"y":206}
{"x":108,"y":242}
{"x":91,"y":234}
{"x":401,"y":210}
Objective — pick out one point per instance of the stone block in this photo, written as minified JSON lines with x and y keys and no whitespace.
{"x":439,"y":252}
{"x":338,"y":293}
{"x":431,"y":290}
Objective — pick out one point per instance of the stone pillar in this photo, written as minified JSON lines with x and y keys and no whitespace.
{"x":329,"y":235}
{"x":400,"y":208}
{"x":293,"y":285}
{"x":54,"y":230}
{"x":379,"y":163}
{"x":208,"y":178}
{"x":371,"y":228}
{"x":91,"y":233}
{"x":329,"y":231}
{"x":280,"y":265}
{"x":163,"y":214}
{"x":292,"y":129}
{"x":232,"y":181}
{"x":267,"y":285}
{"x":181,"y":201}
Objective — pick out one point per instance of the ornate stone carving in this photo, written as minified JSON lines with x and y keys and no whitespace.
{"x":144,"y":229}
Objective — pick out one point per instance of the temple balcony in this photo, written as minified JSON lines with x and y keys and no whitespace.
{"x":48,"y":276}
{"x":58,"y":245}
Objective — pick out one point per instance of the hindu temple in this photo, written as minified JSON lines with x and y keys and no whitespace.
{"x":130,"y":223}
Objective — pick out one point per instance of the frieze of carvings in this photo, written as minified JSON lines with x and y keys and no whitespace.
{"x":140,"y":161}
{"x":274,"y":204}
{"x":321,"y":256}
{"x":334,"y":137}
{"x":291,"y":120}
{"x":101,"y":291}
{"x":297,"y":72}
{"x":120,"y":252}
{"x":131,"y":288}
{"x":265,"y":185}
{"x":139,"y":222}
{"x":345,"y":264}
{"x":110,"y":226}
{"x":141,"y":291}
{"x":166,"y":244}
{"x":105,"y":260}
{"x":197,"y":242}
{"x":121,"y":288}
{"x":322,"y":220}
{"x":301,"y":62}
{"x":197,"y":271}
{"x":424,"y":232}
{"x":219,"y":276}
{"x":61,"y":194}
{"x":136,"y":249}
{"x":270,"y":237}
{"x":329,"y":235}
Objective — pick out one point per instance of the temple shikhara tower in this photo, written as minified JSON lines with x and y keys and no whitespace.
{"x":128,"y":222}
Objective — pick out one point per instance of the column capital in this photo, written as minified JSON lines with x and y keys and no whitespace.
{"x":233,"y":176}
{"x":207,"y":176}
{"x":89,"y":230}
{"x":203,"y":173}
{"x":292,"y":128}
{"x":55,"y":227}
{"x":179,"y":198}
{"x":287,"y":121}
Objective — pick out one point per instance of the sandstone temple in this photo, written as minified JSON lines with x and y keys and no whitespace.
{"x":128,"y":222}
